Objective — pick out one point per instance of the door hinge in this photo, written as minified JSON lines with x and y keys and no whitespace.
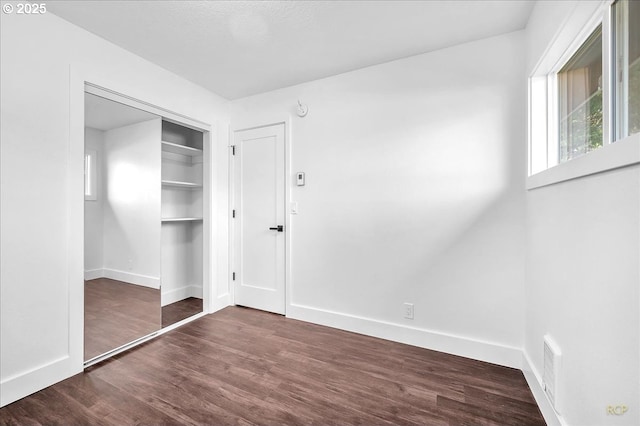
{"x":234,"y":276}
{"x":233,"y":150}
{"x":233,"y":213}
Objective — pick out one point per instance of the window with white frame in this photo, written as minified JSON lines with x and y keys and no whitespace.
{"x":626,"y":65}
{"x":579,"y":84}
{"x":90,"y":175}
{"x":588,"y":96}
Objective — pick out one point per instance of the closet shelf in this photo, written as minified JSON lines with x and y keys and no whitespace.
{"x":180,"y":149}
{"x":181,"y":219}
{"x":179,"y":184}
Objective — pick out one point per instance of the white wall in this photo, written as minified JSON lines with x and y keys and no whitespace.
{"x":122,"y":230}
{"x":181,"y":265}
{"x":583,"y":249}
{"x":41,"y":268}
{"x":547,"y":19}
{"x":132,"y":185}
{"x":582,"y":289}
{"x":415,"y":193}
{"x":93,"y":213}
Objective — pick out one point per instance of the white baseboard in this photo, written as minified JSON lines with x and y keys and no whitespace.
{"x":127,"y":277}
{"x":457,"y":345}
{"x":175,"y":295}
{"x":24,"y":384}
{"x":534,"y":380}
{"x":92,"y":274}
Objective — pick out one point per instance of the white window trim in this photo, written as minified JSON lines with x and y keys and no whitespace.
{"x":623,"y":153}
{"x":544,"y":169}
{"x":90,"y":175}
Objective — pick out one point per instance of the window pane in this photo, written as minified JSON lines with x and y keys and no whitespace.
{"x":627,"y":67}
{"x":87,"y":174}
{"x":580,"y":100}
{"x":90,"y":176}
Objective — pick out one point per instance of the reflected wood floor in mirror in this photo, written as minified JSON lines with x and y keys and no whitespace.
{"x":116,"y":313}
{"x":242,"y":366}
{"x":180,"y":310}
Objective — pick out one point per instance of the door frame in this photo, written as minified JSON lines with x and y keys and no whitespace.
{"x":233,"y":244}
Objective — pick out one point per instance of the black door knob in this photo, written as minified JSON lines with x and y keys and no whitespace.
{"x":279,"y":228}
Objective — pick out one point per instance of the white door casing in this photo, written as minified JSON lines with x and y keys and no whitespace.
{"x":259,"y":180}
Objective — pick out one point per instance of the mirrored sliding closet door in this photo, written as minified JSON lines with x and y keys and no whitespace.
{"x":143,"y":240}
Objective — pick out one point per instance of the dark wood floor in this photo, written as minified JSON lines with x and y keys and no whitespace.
{"x":116,"y":313}
{"x":180,"y":310}
{"x":241,"y":366}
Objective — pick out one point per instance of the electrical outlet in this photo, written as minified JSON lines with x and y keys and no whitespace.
{"x":408,"y":310}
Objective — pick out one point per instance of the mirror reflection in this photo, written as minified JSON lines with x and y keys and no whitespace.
{"x":143,"y":224}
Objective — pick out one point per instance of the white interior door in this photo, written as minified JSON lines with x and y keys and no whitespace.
{"x":259,"y":163}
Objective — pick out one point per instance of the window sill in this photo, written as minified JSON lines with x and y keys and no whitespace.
{"x":625,"y":152}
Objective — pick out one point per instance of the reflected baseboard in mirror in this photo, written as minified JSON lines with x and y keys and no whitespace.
{"x":180,"y":310}
{"x":117,"y":313}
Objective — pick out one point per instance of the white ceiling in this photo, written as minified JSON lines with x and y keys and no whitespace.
{"x":240,"y":48}
{"x":104,"y":114}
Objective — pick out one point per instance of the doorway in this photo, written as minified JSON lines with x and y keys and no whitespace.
{"x":259,"y":218}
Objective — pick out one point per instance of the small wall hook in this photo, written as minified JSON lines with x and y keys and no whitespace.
{"x":302,"y":110}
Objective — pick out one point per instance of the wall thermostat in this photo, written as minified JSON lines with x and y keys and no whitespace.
{"x":300,"y":178}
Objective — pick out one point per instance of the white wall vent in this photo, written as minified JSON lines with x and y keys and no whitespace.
{"x":551,"y":371}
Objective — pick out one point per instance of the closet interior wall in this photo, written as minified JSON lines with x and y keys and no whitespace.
{"x":182,"y":213}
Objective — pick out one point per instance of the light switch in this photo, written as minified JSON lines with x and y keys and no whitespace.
{"x":300,"y":178}
{"x":294,"y":207}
